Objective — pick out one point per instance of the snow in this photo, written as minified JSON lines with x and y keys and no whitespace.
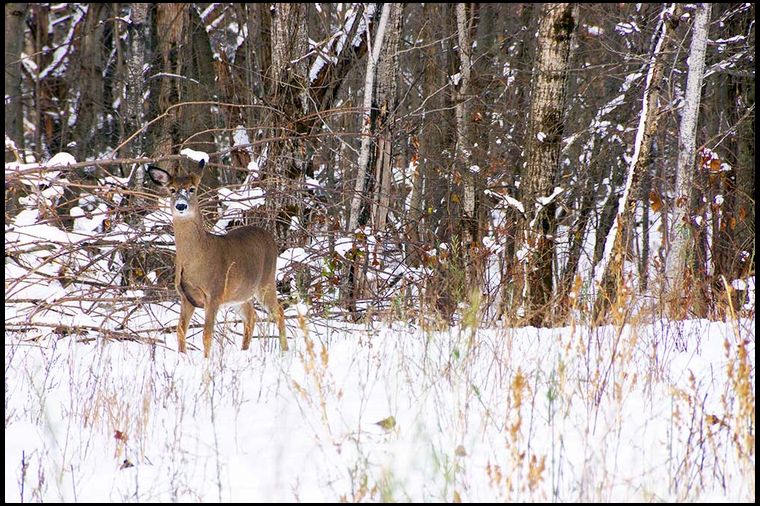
{"x":730,"y":40}
{"x":240,"y":136}
{"x":265,"y":426}
{"x":254,"y":169}
{"x":509,"y":200}
{"x":241,"y":198}
{"x":61,"y":158}
{"x":544,"y":201}
{"x":195,"y":155}
{"x":626,"y":28}
{"x":594,"y":31}
{"x":329,"y":50}
{"x":89,"y":222}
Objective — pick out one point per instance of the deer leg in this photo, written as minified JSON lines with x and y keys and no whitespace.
{"x":211,"y":308}
{"x":249,"y":320}
{"x":185,"y":313}
{"x":269,"y":298}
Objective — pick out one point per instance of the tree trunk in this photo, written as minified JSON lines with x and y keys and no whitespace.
{"x":681,"y":238}
{"x":387,"y":71}
{"x":535,"y":246}
{"x":434,"y":133}
{"x":463,"y":148}
{"x":133,"y":80}
{"x":187,"y":75}
{"x":366,"y":121}
{"x":135,"y":83}
{"x":86,"y":72}
{"x":15,"y":17}
{"x":358,"y":213}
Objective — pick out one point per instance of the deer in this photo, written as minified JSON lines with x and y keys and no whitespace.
{"x":214,"y":271}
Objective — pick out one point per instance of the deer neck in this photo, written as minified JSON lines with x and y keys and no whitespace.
{"x":191,"y":238}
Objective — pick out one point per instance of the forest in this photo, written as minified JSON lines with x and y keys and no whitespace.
{"x":409,"y":157}
{"x":514,"y":244}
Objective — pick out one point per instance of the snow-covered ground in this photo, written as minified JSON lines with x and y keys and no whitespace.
{"x":646,"y":412}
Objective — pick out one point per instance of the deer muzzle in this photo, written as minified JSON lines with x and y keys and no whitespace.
{"x":181,"y":203}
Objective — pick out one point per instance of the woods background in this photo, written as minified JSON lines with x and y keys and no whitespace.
{"x":414,"y":160}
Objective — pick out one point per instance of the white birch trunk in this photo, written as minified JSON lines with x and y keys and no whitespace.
{"x":373,"y":54}
{"x":135,"y":92}
{"x":465,"y":67}
{"x":680,"y":236}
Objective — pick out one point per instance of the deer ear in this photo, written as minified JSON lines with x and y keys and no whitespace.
{"x":158,"y":175}
{"x":198,"y":173}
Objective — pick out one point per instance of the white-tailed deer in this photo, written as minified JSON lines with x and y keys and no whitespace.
{"x":217,"y":270}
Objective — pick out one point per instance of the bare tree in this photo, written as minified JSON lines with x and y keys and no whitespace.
{"x":608,"y":273}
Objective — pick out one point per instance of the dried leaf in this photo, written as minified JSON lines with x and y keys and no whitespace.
{"x":387,"y":423}
{"x":655,"y":202}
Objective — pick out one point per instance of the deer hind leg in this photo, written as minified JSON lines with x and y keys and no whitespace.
{"x":185,"y":313}
{"x":211,"y":307}
{"x":249,"y":320}
{"x":269,"y":299}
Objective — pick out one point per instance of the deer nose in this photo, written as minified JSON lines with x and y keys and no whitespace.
{"x":180,"y":206}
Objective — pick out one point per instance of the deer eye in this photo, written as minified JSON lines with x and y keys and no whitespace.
{"x":191,"y":189}
{"x":172,"y":190}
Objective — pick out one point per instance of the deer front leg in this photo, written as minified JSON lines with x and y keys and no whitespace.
{"x":185,"y":313}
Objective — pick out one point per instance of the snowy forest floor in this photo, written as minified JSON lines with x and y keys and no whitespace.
{"x":644,"y":412}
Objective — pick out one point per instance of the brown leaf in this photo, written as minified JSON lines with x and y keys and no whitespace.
{"x":655,"y":202}
{"x":714,"y":165}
